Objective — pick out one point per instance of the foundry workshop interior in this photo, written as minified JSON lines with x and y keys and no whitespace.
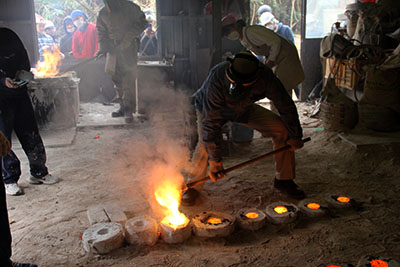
{"x":200,"y":133}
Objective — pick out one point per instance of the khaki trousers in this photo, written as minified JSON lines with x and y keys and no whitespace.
{"x":262,"y":120}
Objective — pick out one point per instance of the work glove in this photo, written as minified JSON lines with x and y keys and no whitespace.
{"x":5,"y":146}
{"x":295,"y":143}
{"x":216,"y":170}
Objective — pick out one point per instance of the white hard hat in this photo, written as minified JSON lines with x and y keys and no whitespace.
{"x":266,"y":18}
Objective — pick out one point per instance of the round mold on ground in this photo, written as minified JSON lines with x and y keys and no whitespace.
{"x":141,"y":231}
{"x":178,"y":234}
{"x":281,"y":212}
{"x":340,"y":201}
{"x":251,"y":219}
{"x":102,"y":238}
{"x":312,"y":208}
{"x":375,"y":261}
{"x":213,"y":224}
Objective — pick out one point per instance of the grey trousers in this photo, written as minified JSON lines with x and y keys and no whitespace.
{"x":262,"y":120}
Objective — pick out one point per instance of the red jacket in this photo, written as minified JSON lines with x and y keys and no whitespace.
{"x":84,"y":44}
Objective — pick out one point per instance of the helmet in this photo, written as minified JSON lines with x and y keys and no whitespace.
{"x":263,"y":8}
{"x":243,"y":70}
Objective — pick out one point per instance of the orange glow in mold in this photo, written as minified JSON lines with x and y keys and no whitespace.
{"x":252,"y":215}
{"x":343,"y":199}
{"x":378,"y":263}
{"x":313,"y":206}
{"x":332,"y":265}
{"x":214,"y":221}
{"x":280,"y":209}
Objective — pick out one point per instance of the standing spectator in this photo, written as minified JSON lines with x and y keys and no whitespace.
{"x":280,"y":54}
{"x":268,"y":20}
{"x":50,"y":29}
{"x":16,"y":114}
{"x":148,"y":39}
{"x":66,"y":39}
{"x":84,"y":40}
{"x":120,"y":23}
{"x":45,"y":41}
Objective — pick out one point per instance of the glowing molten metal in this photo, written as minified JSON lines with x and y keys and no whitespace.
{"x":343,"y":199}
{"x":213,"y":220}
{"x":378,"y":263}
{"x":252,"y":215}
{"x":280,"y":209}
{"x":49,"y":66}
{"x":313,"y":206}
{"x":333,"y":265}
{"x":168,"y":196}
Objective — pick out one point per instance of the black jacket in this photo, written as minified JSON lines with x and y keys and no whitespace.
{"x":13,"y":57}
{"x":124,"y":21}
{"x":218,"y":106}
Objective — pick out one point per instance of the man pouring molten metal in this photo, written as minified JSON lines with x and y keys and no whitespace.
{"x":228,"y":94}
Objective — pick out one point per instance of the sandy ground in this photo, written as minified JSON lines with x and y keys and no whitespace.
{"x":48,"y":221}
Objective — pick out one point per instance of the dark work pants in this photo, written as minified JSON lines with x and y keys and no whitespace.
{"x":17,"y":115}
{"x":5,"y":234}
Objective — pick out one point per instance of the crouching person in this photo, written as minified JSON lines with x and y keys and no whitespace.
{"x":229,"y":94}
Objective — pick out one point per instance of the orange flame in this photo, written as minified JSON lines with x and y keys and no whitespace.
{"x":50,"y":64}
{"x":378,"y":263}
{"x":213,"y":220}
{"x":280,"y":209}
{"x":313,"y":206}
{"x":168,"y":195}
{"x":343,"y":199}
{"x":252,"y":215}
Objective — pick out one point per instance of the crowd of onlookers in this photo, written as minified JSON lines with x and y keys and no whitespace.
{"x":80,"y":40}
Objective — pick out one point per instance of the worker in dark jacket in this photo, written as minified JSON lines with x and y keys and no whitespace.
{"x":16,"y":113}
{"x":119,"y":26}
{"x":228,"y":94}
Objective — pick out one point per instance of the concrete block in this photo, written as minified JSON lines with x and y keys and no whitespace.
{"x":96,"y":214}
{"x":141,"y":231}
{"x":115,"y":213}
{"x":102,"y":238}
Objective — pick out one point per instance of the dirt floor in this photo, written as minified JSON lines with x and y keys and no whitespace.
{"x":48,"y":221}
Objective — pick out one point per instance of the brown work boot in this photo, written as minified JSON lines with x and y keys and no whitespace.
{"x":189,"y":197}
{"x":289,"y":188}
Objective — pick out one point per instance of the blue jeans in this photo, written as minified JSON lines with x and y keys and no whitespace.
{"x":16,"y":114}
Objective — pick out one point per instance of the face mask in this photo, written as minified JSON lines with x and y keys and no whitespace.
{"x":70,"y":30}
{"x":270,"y":26}
{"x":233,"y":35}
{"x":79,"y":23}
